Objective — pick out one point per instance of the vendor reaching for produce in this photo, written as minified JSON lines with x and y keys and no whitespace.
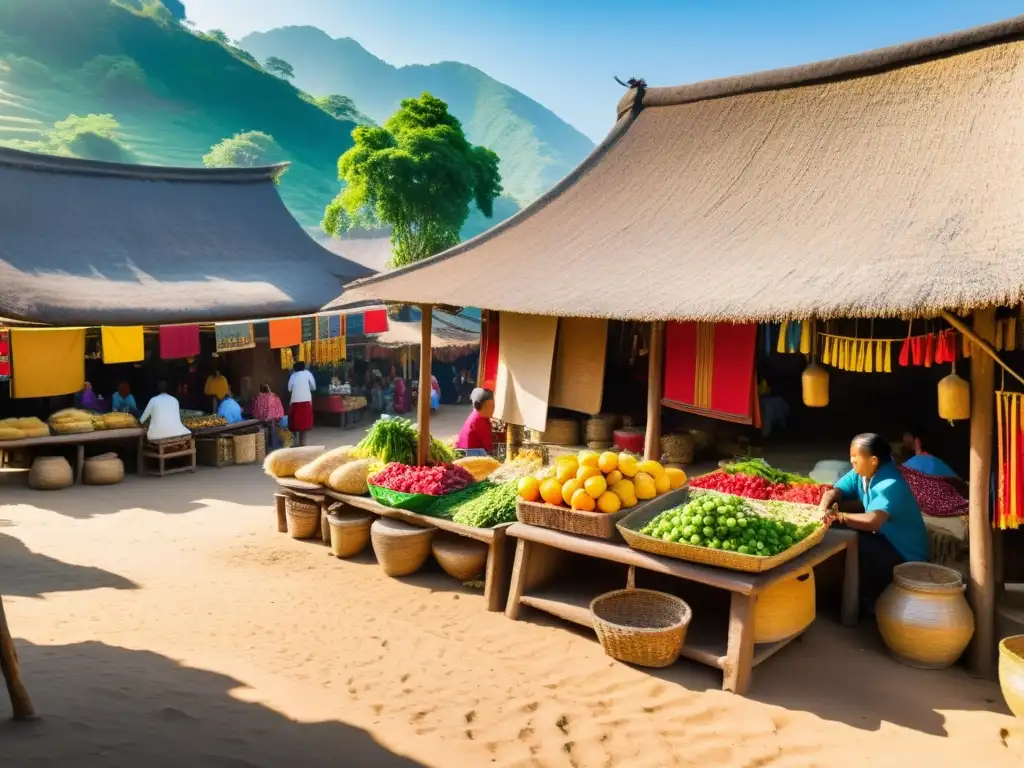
{"x":475,"y":436}
{"x":874,"y":500}
{"x":164,"y":416}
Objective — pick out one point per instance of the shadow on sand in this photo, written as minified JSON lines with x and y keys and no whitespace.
{"x":21,"y":568}
{"x":107,"y":707}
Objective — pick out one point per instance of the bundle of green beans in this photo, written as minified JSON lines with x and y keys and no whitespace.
{"x":446,"y":505}
{"x":496,"y":505}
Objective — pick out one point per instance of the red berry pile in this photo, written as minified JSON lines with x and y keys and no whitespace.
{"x":752,"y":487}
{"x":433,"y":481}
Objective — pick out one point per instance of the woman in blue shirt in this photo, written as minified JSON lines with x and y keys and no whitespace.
{"x":874,"y":500}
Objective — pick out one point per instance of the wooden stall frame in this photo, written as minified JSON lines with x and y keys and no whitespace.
{"x":79,"y":441}
{"x":423,"y":404}
{"x":655,"y":385}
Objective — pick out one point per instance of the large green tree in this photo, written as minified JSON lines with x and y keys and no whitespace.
{"x":244,"y":150}
{"x":279,"y":67}
{"x":418,"y":175}
{"x":93,"y":137}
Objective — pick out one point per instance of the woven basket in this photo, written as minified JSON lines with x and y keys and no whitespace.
{"x":280,"y":500}
{"x":401,"y":549}
{"x":350,"y":532}
{"x":785,"y":609}
{"x":261,"y":446}
{"x":103,"y":470}
{"x":245,"y":448}
{"x":558,"y":432}
{"x":599,"y":445}
{"x":461,"y":558}
{"x":1011,"y":673}
{"x":50,"y":473}
{"x":596,"y":524}
{"x":599,"y":428}
{"x":302,"y":517}
{"x":677,"y":449}
{"x":215,"y":451}
{"x":641,"y":626}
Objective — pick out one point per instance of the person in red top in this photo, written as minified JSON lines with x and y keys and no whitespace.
{"x":476,"y":435}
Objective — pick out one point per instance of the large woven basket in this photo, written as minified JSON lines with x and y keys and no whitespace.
{"x":1011,"y":673}
{"x":261,"y":446}
{"x":677,"y":449}
{"x":245,"y":448}
{"x":596,"y":524}
{"x":401,"y":549}
{"x":350,"y":532}
{"x":461,"y":558}
{"x":558,"y":432}
{"x":785,"y":609}
{"x":103,"y":470}
{"x":50,"y":473}
{"x":598,"y":429}
{"x":641,"y":626}
{"x":302,"y":517}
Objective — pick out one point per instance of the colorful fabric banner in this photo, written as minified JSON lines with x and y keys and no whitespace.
{"x":375,"y":321}
{"x":323,"y":328}
{"x":234,"y":336}
{"x":5,"y":356}
{"x":47,"y":363}
{"x":285,"y":333}
{"x":122,"y":344}
{"x":178,"y":341}
{"x":709,"y":370}
{"x":355,"y":325}
{"x":489,"y":354}
{"x":308,"y":329}
{"x":336,"y":326}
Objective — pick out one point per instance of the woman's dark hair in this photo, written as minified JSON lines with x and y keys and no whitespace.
{"x":299,"y":366}
{"x":874,"y":445}
{"x":265,"y":389}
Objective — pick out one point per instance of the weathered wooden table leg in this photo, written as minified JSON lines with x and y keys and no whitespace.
{"x":739,"y":655}
{"x":325,"y":526}
{"x":496,"y":574}
{"x":851,"y":582}
{"x":20,"y":701}
{"x":140,"y":468}
{"x":517,"y":585}
{"x":79,"y":462}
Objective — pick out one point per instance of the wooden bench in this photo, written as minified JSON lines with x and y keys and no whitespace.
{"x":539,"y":560}
{"x":79,"y":441}
{"x":171,"y":448}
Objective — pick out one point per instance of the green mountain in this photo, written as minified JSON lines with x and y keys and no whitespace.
{"x":536,"y":147}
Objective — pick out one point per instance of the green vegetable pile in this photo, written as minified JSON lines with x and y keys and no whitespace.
{"x":392,"y":439}
{"x":483,"y":505}
{"x":760,"y":468}
{"x":728,"y":523}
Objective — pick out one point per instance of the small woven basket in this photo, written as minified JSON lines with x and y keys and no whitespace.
{"x":302,"y":517}
{"x":350,"y":532}
{"x":50,"y":473}
{"x":785,"y":609}
{"x":558,"y":432}
{"x":245,"y":448}
{"x":103,"y":470}
{"x":596,"y":524}
{"x":401,"y":549}
{"x":677,"y":449}
{"x":261,"y":446}
{"x":641,"y":626}
{"x":599,"y":428}
{"x":1011,"y":673}
{"x":461,"y":558}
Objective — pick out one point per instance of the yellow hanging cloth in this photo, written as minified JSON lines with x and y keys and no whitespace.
{"x":46,"y":362}
{"x":1014,"y":432}
{"x":880,"y":356}
{"x":842,"y":354}
{"x":122,"y":344}
{"x":805,"y":337}
{"x":781,"y":346}
{"x":825,"y":357}
{"x":869,"y":358}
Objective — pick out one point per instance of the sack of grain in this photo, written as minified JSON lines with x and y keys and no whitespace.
{"x":10,"y":433}
{"x":284,"y":462}
{"x":351,"y":477}
{"x":319,"y":470}
{"x":30,"y":422}
{"x":69,"y":415}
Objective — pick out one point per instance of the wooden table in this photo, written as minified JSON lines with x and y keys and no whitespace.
{"x":537,"y":561}
{"x":79,"y":441}
{"x":499,"y":560}
{"x":226,"y":428}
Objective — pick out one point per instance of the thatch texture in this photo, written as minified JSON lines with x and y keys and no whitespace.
{"x":887,"y":183}
{"x":88,"y":243}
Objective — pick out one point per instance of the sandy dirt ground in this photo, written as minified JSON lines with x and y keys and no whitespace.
{"x":165,"y":622}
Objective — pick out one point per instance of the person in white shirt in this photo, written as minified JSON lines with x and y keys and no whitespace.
{"x":164,"y":416}
{"x":302,"y":385}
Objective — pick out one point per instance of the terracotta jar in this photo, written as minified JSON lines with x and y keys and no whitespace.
{"x":923,"y":615}
{"x":1011,"y":673}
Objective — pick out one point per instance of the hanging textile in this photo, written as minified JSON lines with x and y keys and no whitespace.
{"x":935,"y":495}
{"x":47,"y":363}
{"x":335,"y":326}
{"x":930,"y":349}
{"x":1009,"y":507}
{"x":794,"y":337}
{"x":578,"y":380}
{"x":122,"y":344}
{"x":5,"y":355}
{"x":526,"y":352}
{"x":355,"y":324}
{"x":177,"y":341}
{"x":709,"y":370}
{"x":849,"y":353}
{"x":234,"y":336}
{"x":287,"y":359}
{"x":308,"y":329}
{"x":489,"y":352}
{"x":285,"y":333}
{"x":375,"y":321}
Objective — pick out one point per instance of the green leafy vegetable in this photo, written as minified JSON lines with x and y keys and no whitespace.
{"x":757,"y":467}
{"x":494,"y":506}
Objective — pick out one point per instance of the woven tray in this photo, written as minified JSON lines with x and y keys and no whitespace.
{"x":631,"y":524}
{"x":598,"y":525}
{"x":411,"y":502}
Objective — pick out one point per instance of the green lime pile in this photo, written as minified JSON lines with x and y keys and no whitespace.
{"x":729,"y":524}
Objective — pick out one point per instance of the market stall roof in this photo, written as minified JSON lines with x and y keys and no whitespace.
{"x":443,"y":334}
{"x":885,"y":183}
{"x":90,"y":243}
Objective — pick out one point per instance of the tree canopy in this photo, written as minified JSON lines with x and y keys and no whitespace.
{"x":279,"y":67}
{"x":244,"y":150}
{"x":93,"y":137}
{"x":336,"y":105}
{"x":418,"y":174}
{"x":220,"y":36}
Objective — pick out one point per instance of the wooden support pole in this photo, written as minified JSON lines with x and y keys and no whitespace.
{"x":20,"y":701}
{"x":655,"y":382}
{"x":981,"y":592}
{"x":485,"y":320}
{"x":423,"y":404}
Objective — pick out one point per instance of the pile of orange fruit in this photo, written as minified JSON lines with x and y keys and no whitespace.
{"x":601,"y":482}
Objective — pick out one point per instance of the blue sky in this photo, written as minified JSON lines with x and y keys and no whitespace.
{"x":564,"y":52}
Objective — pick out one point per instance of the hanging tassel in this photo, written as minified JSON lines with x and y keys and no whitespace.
{"x":1014,"y":459}
{"x":888,"y":357}
{"x":842,"y":354}
{"x":1001,"y":454}
{"x":826,"y":358}
{"x":869,"y":358}
{"x":781,"y":346}
{"x":929,"y":349}
{"x":917,"y":350}
{"x":880,"y":355}
{"x":805,"y":338}
{"x":861,"y":348}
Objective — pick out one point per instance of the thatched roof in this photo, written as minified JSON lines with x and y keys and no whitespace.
{"x":886,"y":183}
{"x":89,"y":243}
